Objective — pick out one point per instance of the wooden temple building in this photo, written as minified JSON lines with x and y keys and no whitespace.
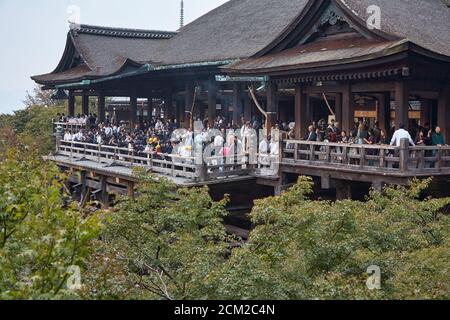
{"x":309,"y":59}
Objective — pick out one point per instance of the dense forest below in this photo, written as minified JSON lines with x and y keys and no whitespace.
{"x":170,"y":243}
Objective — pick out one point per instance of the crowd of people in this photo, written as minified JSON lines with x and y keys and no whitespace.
{"x":160,"y":136}
{"x":363,"y":133}
{"x":157,"y":135}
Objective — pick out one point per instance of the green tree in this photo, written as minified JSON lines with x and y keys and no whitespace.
{"x":162,"y":245}
{"x":303,"y":249}
{"x":41,"y":236}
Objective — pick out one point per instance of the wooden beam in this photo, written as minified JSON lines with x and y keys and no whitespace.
{"x":85,"y":103}
{"x":133,"y":111}
{"x":237,"y":104}
{"x":401,"y":104}
{"x":338,"y":109}
{"x":101,"y":105}
{"x":373,"y":87}
{"x":384,"y":110}
{"x":130,"y":190}
{"x":149,"y":108}
{"x":247,"y":108}
{"x":189,"y":98}
{"x":212,"y":101}
{"x":425,"y":112}
{"x":71,"y":104}
{"x":168,"y":102}
{"x":272,"y":106}
{"x":444,"y":112}
{"x":301,"y":112}
{"x":348,"y":109}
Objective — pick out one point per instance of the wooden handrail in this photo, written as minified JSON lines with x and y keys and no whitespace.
{"x":405,"y":158}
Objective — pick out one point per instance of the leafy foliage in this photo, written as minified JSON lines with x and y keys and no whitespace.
{"x":33,"y":125}
{"x":167,"y":242}
{"x":40,"y":237}
{"x":304,"y":249}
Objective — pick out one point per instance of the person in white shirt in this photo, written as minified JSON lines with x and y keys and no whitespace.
{"x":67,"y":136}
{"x":79,"y":137}
{"x":108,"y":131}
{"x":399,"y":135}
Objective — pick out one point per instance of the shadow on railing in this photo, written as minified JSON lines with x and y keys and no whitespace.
{"x":404,"y":159}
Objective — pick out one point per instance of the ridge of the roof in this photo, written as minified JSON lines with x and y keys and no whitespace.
{"x":121,"y":32}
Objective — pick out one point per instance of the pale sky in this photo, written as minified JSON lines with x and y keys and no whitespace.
{"x":33,"y":33}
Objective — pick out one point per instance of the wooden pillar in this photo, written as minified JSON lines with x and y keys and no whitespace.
{"x":71,"y":104}
{"x":348,"y":109}
{"x":101,"y":105}
{"x":212,"y":101}
{"x":384,"y":111}
{"x":85,"y":103}
{"x":84,"y":189}
{"x":443,"y":112}
{"x":104,"y":197}
{"x":133,"y":111}
{"x":338,"y":109}
{"x":149,"y":109}
{"x":301,"y":112}
{"x":401,"y":104}
{"x":130,"y":190}
{"x":272,"y":105}
{"x":189,"y":98}
{"x":237,"y":104}
{"x":247,"y":108}
{"x":425,"y":112}
{"x":343,"y":190}
{"x":168,"y":103}
{"x":180,"y":112}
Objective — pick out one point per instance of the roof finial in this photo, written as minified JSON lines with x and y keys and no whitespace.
{"x":182,"y":15}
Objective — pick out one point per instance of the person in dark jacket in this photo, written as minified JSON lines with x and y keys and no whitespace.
{"x":437,"y":138}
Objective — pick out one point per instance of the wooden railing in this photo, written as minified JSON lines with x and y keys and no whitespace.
{"x":417,"y":160}
{"x":167,"y":164}
{"x":74,"y":127}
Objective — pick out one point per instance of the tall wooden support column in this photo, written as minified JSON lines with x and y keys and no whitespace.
{"x":104,"y":197}
{"x":85,"y":103}
{"x":168,"y":103}
{"x":247,"y":108}
{"x":443,"y":112}
{"x":212,"y":102}
{"x":130,"y":190}
{"x":101,"y":107}
{"x":189,"y":99}
{"x":348,"y":109}
{"x":133,"y":111}
{"x":301,"y":112}
{"x":338,"y":109}
{"x":237,"y":104}
{"x":71,"y":104}
{"x":84,"y":188}
{"x":272,"y":106}
{"x":149,"y":108}
{"x":401,"y":104}
{"x":425,"y":111}
{"x":384,"y":110}
{"x":180,"y":112}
